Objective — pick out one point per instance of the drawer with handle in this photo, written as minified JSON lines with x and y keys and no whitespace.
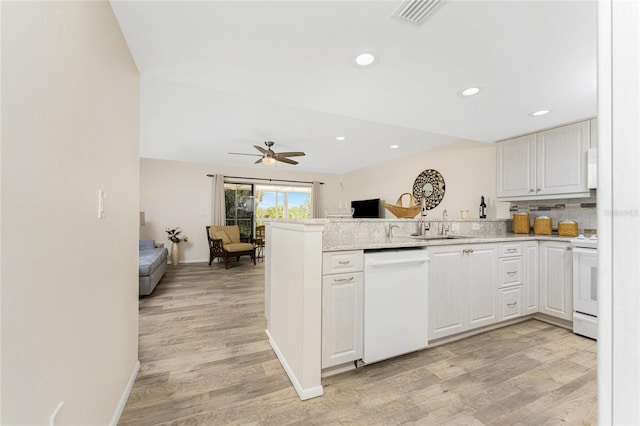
{"x":510,"y":303}
{"x":338,"y":262}
{"x":510,"y":249}
{"x":510,"y":272}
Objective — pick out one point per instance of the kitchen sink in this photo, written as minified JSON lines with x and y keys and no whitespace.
{"x":440,"y":237}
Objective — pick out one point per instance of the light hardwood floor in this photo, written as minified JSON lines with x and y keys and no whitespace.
{"x":205,"y":360}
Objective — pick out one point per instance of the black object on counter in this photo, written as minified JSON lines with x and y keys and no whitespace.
{"x":483,"y":208}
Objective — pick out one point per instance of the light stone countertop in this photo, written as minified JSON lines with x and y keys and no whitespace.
{"x":403,"y":241}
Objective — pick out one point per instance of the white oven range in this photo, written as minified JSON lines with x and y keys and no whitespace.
{"x":585,"y":286}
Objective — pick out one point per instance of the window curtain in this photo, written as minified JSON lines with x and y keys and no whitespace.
{"x":317,"y":200}
{"x":217,"y":201}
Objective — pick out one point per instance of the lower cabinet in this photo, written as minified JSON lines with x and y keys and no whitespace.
{"x":342,"y":310}
{"x":556,"y":279}
{"x":512,"y":280}
{"x":510,"y":303}
{"x":462,"y":288}
{"x":470,"y":286}
{"x":530,"y":277}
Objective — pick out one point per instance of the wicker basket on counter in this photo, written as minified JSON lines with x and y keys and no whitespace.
{"x":404,"y":212}
{"x":567,"y":228}
{"x":542,"y":225}
{"x":521,"y":224}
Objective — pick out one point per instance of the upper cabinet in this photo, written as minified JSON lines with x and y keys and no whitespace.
{"x":548,"y":164}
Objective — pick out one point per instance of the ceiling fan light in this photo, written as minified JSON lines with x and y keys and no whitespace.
{"x":268,"y":160}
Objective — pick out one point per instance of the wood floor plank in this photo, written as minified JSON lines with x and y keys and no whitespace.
{"x":205,"y":360}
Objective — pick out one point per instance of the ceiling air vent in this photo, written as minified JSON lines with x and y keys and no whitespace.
{"x":415,"y":11}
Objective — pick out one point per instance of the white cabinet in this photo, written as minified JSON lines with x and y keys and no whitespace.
{"x":510,"y":303}
{"x":510,"y":280}
{"x":530,"y":277}
{"x":342,"y":307}
{"x":462,"y":288}
{"x":482,"y":275}
{"x":547,"y":164}
{"x":516,"y":162}
{"x":556,"y":285}
{"x":447,"y":291}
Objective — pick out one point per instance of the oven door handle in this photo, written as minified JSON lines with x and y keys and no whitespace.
{"x":583,"y":250}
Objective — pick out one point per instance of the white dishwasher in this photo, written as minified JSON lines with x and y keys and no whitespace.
{"x":395,"y":302}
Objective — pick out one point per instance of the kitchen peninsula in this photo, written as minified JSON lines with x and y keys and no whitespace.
{"x":480,"y":276}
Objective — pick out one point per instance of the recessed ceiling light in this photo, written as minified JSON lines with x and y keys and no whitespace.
{"x":394,"y":146}
{"x":340,"y":138}
{"x":366,"y":58}
{"x":539,"y":113}
{"x":470,"y":91}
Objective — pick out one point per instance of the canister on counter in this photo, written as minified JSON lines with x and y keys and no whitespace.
{"x":542,"y":225}
{"x":521,"y":223}
{"x":567,"y":228}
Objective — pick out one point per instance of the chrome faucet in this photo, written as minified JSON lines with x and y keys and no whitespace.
{"x":390,"y":230}
{"x":426,"y":226}
{"x":445,"y":223}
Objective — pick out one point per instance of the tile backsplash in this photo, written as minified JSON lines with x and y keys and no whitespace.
{"x":580,"y":210}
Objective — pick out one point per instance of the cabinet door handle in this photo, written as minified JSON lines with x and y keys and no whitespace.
{"x":568,"y":248}
{"x":344,"y":262}
{"x":512,"y":305}
{"x":470,"y":250}
{"x":342,"y":280}
{"x":512,"y":273}
{"x":538,"y":189}
{"x":531,"y":190}
{"x":512,"y":250}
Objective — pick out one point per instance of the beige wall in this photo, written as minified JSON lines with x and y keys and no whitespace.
{"x":468,"y":168}
{"x":178,"y":193}
{"x":69,"y":280}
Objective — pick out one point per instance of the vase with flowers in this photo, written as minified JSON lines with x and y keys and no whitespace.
{"x":176,"y":236}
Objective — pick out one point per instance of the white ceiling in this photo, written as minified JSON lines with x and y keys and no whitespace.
{"x":221,"y":76}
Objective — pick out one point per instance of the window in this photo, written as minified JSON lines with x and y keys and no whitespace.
{"x":247,"y":204}
{"x":239,"y":206}
{"x":288,"y":202}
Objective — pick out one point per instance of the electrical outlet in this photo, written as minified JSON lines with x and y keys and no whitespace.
{"x":475,"y":226}
{"x":455,"y":226}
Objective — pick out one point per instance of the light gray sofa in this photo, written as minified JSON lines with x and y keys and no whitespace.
{"x":153,"y":264}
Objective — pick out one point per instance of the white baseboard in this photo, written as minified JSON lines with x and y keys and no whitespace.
{"x":125,"y":395}
{"x":302,"y":392}
{"x":553,"y":321}
{"x":190,"y":261}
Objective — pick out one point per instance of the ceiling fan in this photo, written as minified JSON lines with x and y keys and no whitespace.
{"x":268,"y":156}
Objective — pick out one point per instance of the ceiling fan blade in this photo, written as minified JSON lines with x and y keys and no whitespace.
{"x":242,"y":153}
{"x":290,"y":154}
{"x":285,"y":160}
{"x":259,"y":161}
{"x":261,"y":149}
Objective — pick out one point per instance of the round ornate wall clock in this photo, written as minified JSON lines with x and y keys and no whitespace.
{"x":429,"y":185}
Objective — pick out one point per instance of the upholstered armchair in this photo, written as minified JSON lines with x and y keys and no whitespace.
{"x":225,"y":242}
